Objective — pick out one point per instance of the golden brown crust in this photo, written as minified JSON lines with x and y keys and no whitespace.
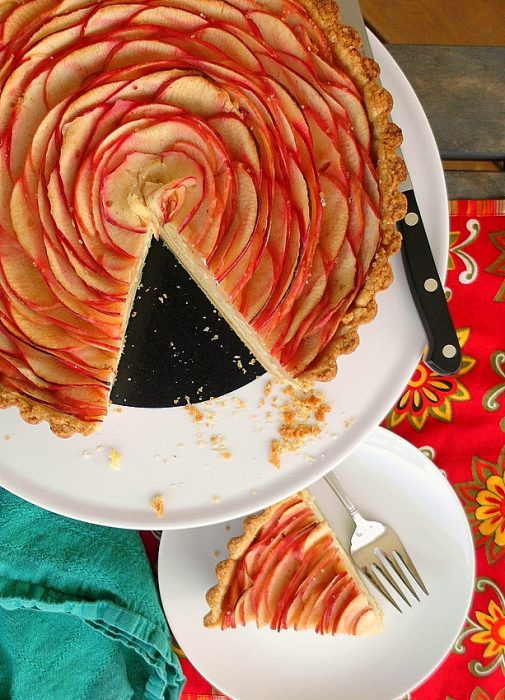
{"x":387,"y":137}
{"x":62,"y":424}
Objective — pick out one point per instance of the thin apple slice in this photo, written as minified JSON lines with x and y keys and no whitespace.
{"x":259,"y":288}
{"x":357,"y":603}
{"x":232,"y":46}
{"x":172,"y":18}
{"x":238,"y":237}
{"x":127,"y":54}
{"x":335,"y":218}
{"x":70,"y":71}
{"x":276,"y":34}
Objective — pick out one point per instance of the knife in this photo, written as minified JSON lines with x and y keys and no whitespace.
{"x":443,"y":354}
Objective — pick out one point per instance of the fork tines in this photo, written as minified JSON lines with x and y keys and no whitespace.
{"x":386,"y":567}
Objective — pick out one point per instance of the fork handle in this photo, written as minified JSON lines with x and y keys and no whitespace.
{"x":361,"y":523}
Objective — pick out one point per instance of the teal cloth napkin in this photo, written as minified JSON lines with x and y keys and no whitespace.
{"x":80,"y":617}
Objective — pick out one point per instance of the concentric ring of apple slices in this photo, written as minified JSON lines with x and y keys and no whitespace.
{"x":288,"y":572}
{"x":231,"y":130}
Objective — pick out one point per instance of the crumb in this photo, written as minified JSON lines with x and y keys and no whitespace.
{"x":268,"y":388}
{"x":216,"y":499}
{"x":300,"y":415}
{"x":165,"y":460}
{"x":157,"y":458}
{"x":161,"y":300}
{"x":7,"y":437}
{"x":99,"y":448}
{"x":195,"y":414}
{"x":86,"y":454}
{"x":216,"y":553}
{"x":158,"y":505}
{"x":218,"y":445}
{"x":275,"y":453}
{"x":133,"y":314}
{"x":253,"y":492}
{"x":215,"y":337}
{"x":349,"y":422}
{"x":239,"y":364}
{"x":118,"y":409}
{"x":227,"y":528}
{"x":114,"y":459}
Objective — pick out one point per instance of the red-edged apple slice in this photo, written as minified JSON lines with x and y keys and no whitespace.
{"x":71,"y":70}
{"x":277,"y":569}
{"x":127,"y":54}
{"x":232,"y":46}
{"x":330,"y":611}
{"x":172,"y":18}
{"x":334,"y":220}
{"x":356,"y":605}
{"x":276,"y":34}
{"x":259,"y":288}
{"x":239,"y":235}
{"x":26,"y":116}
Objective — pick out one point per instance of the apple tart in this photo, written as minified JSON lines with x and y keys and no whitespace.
{"x":249,"y":135}
{"x":288,"y":571}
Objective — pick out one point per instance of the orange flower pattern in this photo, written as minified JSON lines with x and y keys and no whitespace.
{"x":484,"y":502}
{"x":429,"y":394}
{"x":487,"y":631}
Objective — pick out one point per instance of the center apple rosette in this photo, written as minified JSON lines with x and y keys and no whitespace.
{"x":250,"y":136}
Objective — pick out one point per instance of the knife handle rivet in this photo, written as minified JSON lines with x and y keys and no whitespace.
{"x":448,"y":351}
{"x":430,"y":284}
{"x":411,"y":218}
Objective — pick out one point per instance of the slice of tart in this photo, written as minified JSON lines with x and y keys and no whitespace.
{"x":288,"y":571}
{"x":250,"y":135}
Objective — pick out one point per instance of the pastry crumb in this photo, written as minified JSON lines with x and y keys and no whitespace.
{"x":216,"y":499}
{"x":86,"y":454}
{"x":7,"y":437}
{"x":117,"y":409}
{"x":158,"y":505}
{"x":114,"y":459}
{"x":216,"y":553}
{"x":349,"y":422}
{"x":194,"y":413}
{"x":301,"y":415}
{"x":218,"y":445}
{"x":227,"y":528}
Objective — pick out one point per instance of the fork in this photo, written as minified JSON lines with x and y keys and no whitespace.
{"x":377,"y":549}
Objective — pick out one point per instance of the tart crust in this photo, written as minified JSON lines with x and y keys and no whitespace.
{"x":238,"y":546}
{"x":62,"y":424}
{"x":391,"y":170}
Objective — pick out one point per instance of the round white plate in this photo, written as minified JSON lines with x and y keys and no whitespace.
{"x":162,"y":451}
{"x":392,"y":481}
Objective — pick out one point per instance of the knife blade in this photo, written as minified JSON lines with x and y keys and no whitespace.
{"x":443,"y":353}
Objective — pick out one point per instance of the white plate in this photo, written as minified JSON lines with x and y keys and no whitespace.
{"x":392,"y":481}
{"x":199,"y":486}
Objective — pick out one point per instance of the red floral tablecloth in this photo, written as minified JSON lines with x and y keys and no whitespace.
{"x":459,"y":422}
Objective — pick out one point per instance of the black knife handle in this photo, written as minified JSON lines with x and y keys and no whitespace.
{"x":443,"y":354}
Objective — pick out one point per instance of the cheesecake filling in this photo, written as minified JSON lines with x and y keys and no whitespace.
{"x":225,"y":128}
{"x":294,"y":575}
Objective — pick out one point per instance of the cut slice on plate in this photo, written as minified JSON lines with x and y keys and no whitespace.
{"x":288,"y":571}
